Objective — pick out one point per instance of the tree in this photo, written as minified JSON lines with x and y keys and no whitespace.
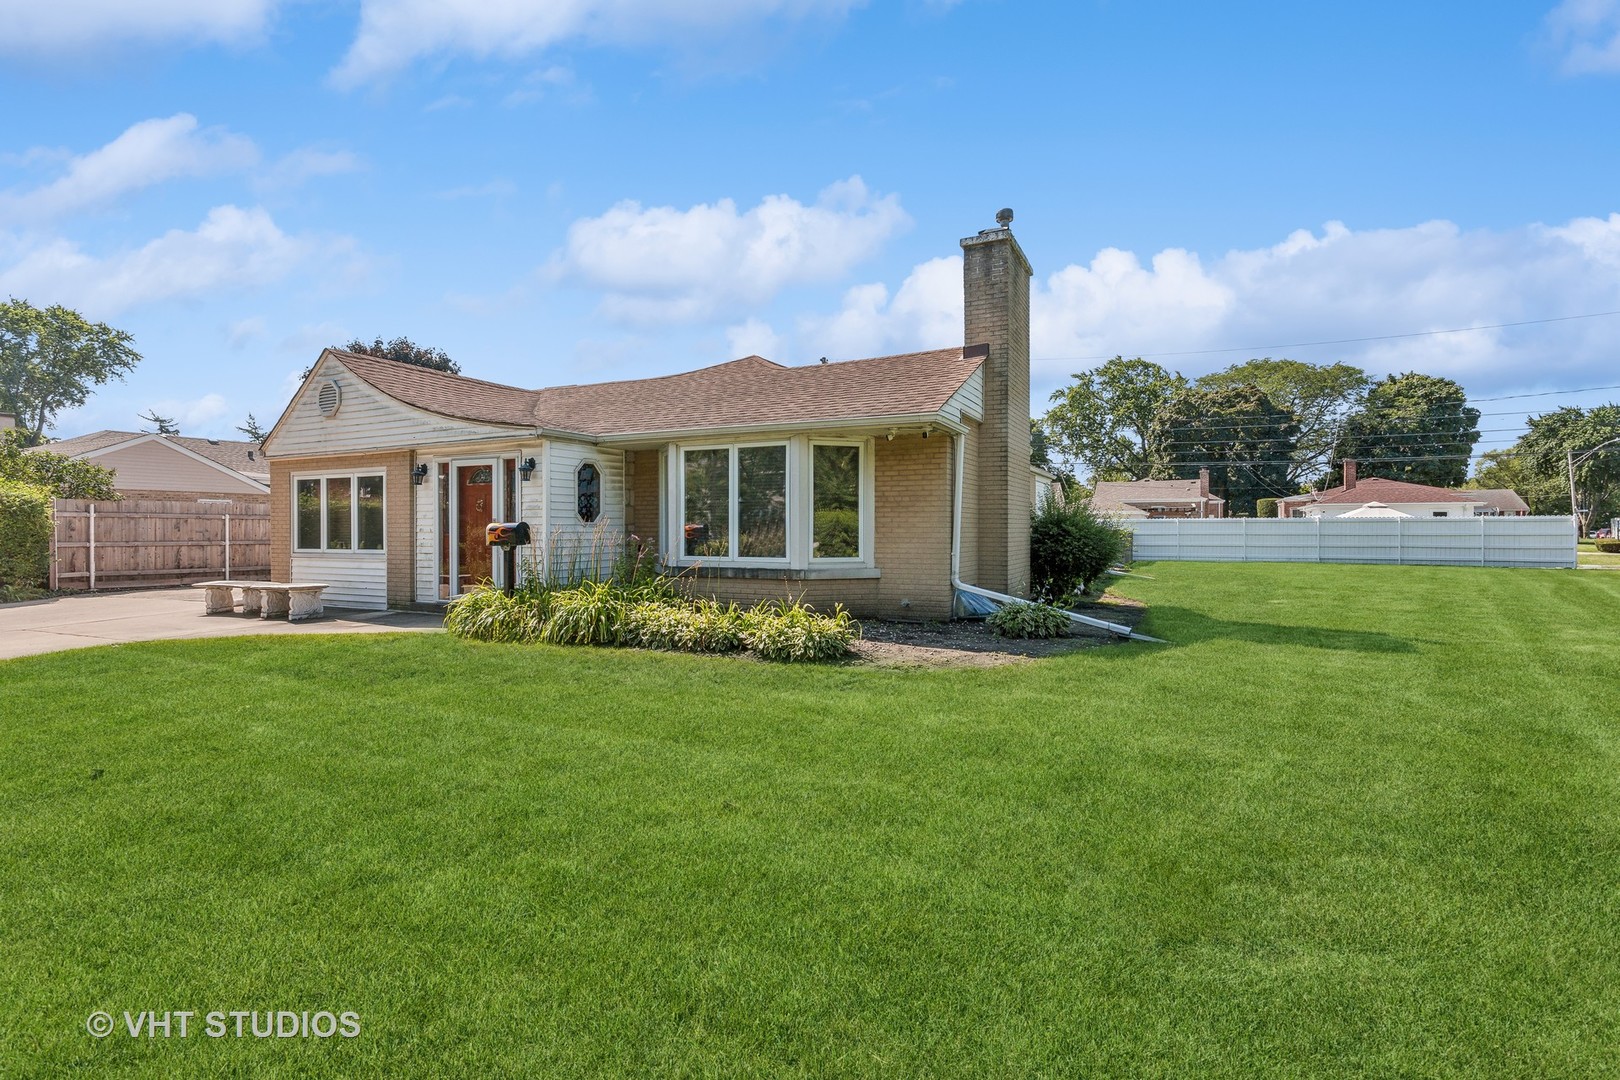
{"x":52,"y":360}
{"x":1412,"y":427}
{"x":1040,"y":455}
{"x":1544,"y":494}
{"x":252,"y":429}
{"x":67,"y":478}
{"x":1320,"y":396}
{"x":165,"y":425}
{"x":405,"y":351}
{"x":1245,"y":440}
{"x":1544,"y":452}
{"x":1102,"y":420}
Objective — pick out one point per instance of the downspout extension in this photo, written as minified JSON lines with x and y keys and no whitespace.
{"x":1002,"y":598}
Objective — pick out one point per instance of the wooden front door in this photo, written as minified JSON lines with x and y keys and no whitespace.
{"x":473,"y":509}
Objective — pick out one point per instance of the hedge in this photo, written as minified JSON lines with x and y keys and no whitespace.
{"x":1264,"y":508}
{"x":25,"y":534}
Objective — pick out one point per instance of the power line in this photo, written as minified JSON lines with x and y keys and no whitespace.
{"x":1342,"y":341}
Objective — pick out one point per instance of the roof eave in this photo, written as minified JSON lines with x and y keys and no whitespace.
{"x":938,"y":419}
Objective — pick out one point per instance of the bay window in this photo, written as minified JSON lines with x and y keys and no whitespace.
{"x":338,"y":513}
{"x":794,"y":503}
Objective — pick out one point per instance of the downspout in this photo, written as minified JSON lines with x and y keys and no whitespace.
{"x":1002,"y":598}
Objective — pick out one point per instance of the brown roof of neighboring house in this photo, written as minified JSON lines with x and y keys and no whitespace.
{"x":751,"y":392}
{"x":1378,"y":489}
{"x":1136,"y":492}
{"x":235,"y":454}
{"x":1506,"y":500}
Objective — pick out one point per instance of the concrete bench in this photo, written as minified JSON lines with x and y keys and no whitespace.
{"x":297,"y":600}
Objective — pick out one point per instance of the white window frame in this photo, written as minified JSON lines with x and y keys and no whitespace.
{"x":864,"y":503}
{"x":354,"y":513}
{"x":800,"y":504}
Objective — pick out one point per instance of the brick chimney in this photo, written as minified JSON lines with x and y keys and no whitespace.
{"x":995,"y":293}
{"x":1203,"y":483}
{"x":1349,"y":475}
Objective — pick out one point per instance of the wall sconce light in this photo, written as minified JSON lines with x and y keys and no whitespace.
{"x":526,"y":469}
{"x":419,"y":474}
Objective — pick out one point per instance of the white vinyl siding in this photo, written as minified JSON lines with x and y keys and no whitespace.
{"x":366,"y":420}
{"x":969,"y":400}
{"x":572,"y":545}
{"x":358,"y":579}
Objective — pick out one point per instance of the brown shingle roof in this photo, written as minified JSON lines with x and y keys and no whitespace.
{"x":751,"y":392}
{"x":231,"y":453}
{"x":1377,"y":489}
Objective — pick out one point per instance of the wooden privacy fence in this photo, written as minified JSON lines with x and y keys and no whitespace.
{"x":141,"y":542}
{"x":1481,"y":541}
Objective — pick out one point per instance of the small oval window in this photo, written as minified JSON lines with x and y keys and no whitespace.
{"x":590,"y":492}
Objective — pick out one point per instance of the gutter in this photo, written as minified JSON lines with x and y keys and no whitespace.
{"x":961,"y":587}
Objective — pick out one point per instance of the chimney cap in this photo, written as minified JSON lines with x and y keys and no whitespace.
{"x":1004,"y":216}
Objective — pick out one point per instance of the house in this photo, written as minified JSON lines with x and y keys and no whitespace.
{"x":1500,"y":502}
{"x":1403,"y":498}
{"x":1158,"y":498}
{"x":880,"y":484}
{"x":165,"y":466}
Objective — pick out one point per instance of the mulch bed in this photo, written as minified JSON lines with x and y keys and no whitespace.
{"x":971,"y":643}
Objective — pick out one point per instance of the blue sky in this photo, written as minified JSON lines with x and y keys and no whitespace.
{"x":596,"y":189}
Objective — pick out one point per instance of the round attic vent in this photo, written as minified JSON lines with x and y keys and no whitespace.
{"x":328,"y":398}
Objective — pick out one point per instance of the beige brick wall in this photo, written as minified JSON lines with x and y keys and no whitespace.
{"x":858,"y":595}
{"x":641,"y":484}
{"x":913,"y":527}
{"x":399,"y":531}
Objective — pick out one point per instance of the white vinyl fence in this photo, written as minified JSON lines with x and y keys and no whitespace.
{"x":1482,"y":541}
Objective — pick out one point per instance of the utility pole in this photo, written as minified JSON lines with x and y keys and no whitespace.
{"x":1574,"y":510}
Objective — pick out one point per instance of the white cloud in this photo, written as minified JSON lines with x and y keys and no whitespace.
{"x":190,"y":415}
{"x":69,"y":25}
{"x":753,"y":337}
{"x":1587,"y":34}
{"x":1329,"y":285}
{"x":147,"y":153}
{"x":393,"y":33}
{"x":660,"y":264}
{"x":538,"y":84}
{"x":307,"y":163}
{"x":239,"y":333}
{"x":232,"y":247}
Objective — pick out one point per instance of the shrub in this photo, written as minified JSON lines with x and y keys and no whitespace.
{"x":1265,"y":508}
{"x":838,"y":532}
{"x":1611,"y":546}
{"x":487,"y":614}
{"x":65,"y":477}
{"x":1021,"y":620}
{"x":1070,"y":547}
{"x":792,"y":632}
{"x":591,"y":613}
{"x":701,"y":626}
{"x":25,"y":534}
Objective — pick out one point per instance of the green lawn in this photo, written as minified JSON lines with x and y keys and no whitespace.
{"x":1356,"y":821}
{"x":1587,"y":554}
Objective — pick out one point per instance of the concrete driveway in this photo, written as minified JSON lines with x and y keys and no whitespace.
{"x":112,"y":618}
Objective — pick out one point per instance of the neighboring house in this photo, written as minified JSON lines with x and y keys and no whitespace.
{"x":7,"y":421}
{"x":1500,"y":502}
{"x":1403,"y":498}
{"x":164,"y":466}
{"x":1158,"y":498}
{"x":874,"y":483}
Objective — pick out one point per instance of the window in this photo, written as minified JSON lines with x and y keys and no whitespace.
{"x":1438,"y":513}
{"x":762,"y":502}
{"x":338,"y":513}
{"x":589,"y":482}
{"x":835,"y":481}
{"x":795,"y":502}
{"x":707,"y":482}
